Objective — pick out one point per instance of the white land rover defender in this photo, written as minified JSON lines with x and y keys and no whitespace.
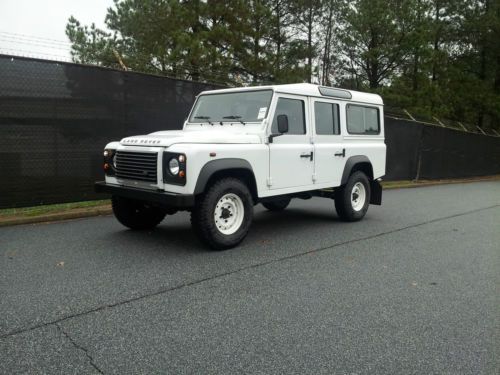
{"x":244,"y":146}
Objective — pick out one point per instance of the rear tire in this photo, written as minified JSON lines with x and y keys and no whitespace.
{"x":277,"y":205}
{"x":222,"y":216}
{"x":352,"y":200}
{"x":136,"y":215}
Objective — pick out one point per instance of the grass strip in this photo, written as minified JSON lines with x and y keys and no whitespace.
{"x":51,"y":208}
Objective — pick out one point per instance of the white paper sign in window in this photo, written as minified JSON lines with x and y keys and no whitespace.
{"x":262,"y":113}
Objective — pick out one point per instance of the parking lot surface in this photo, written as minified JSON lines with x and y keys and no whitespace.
{"x":411,"y":289}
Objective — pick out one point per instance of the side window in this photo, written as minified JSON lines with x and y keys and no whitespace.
{"x":326,"y":116}
{"x":294,"y":109}
{"x":371,"y":121}
{"x":362,"y":120}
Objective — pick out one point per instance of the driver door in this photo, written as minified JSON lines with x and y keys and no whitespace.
{"x":291,"y":155}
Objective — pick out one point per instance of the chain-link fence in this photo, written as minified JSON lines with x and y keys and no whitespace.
{"x":55,"y":119}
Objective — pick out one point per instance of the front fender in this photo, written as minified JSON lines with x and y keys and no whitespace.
{"x":214,"y":166}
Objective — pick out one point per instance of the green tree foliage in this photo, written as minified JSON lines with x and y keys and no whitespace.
{"x":90,"y":45}
{"x":433,"y":57}
{"x":453,"y":70}
{"x":375,"y":39}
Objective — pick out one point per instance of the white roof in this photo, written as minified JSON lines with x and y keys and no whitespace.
{"x":307,"y":89}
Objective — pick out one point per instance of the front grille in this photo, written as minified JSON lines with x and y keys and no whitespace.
{"x":141,"y":166}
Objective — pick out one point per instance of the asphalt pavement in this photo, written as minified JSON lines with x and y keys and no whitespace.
{"x":411,"y":289}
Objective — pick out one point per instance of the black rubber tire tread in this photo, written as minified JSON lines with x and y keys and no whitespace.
{"x":202,"y":215}
{"x":136,"y":215}
{"x":277,"y":205}
{"x":343,"y":198}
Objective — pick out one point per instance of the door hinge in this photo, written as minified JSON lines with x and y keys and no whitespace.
{"x":269,"y":181}
{"x":314,"y":177}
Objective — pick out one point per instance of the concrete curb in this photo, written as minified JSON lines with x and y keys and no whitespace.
{"x":79,"y":213}
{"x":440,"y":182}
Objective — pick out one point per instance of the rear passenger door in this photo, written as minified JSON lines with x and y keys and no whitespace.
{"x":328,"y":144}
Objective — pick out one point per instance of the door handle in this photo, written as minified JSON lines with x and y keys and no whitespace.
{"x":307,"y":155}
{"x":341,"y":153}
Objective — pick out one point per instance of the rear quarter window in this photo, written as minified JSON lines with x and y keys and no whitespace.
{"x":363,"y":120}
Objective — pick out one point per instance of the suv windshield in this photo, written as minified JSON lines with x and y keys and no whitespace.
{"x":244,"y":106}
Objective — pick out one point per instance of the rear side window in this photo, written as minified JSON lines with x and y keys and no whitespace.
{"x":362,"y":120}
{"x":326,"y":117}
{"x":294,"y":109}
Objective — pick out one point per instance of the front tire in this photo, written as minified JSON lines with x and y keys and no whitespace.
{"x":352,"y":200}
{"x":135,"y":214}
{"x":223,"y":214}
{"x":277,"y":205}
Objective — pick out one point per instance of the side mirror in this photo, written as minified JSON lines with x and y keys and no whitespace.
{"x":282,"y":124}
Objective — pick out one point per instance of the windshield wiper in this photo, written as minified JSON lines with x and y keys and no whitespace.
{"x":204,"y":118}
{"x":234,"y":117}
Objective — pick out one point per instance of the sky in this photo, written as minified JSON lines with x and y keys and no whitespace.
{"x":36,"y":28}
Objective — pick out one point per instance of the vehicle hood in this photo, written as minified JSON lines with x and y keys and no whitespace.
{"x":170,"y":137}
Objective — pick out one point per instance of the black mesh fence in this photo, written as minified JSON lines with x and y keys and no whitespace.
{"x":55,"y":119}
{"x":418,"y":151}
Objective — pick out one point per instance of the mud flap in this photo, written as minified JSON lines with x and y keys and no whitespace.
{"x":376,"y":193}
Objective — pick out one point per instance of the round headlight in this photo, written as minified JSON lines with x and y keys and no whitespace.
{"x":106,"y":153}
{"x":173,"y":166}
{"x":114,"y":161}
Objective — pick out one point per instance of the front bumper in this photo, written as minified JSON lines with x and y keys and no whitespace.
{"x":156,"y":196}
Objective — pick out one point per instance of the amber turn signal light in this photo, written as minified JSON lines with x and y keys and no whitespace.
{"x":182,"y":174}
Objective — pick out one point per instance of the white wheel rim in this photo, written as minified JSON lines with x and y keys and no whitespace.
{"x":229,"y":213}
{"x":358,"y":196}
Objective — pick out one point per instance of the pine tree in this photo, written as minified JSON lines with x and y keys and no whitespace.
{"x":375,"y":39}
{"x":306,"y":14}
